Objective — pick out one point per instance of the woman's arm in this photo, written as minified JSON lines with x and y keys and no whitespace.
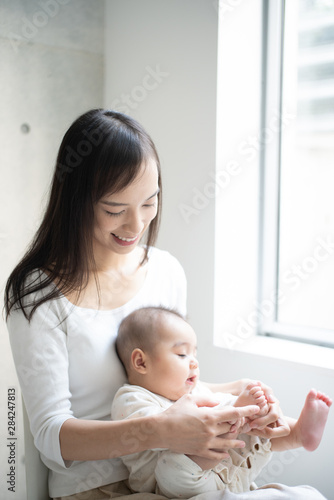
{"x":234,"y":387}
{"x":100,"y":440}
{"x":187,"y":427}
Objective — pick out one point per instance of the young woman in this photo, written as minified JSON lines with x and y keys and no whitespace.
{"x":86,"y":269}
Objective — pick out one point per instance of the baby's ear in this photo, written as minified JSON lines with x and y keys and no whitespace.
{"x":138,"y":361}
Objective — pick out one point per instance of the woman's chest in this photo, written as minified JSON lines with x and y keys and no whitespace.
{"x":112,"y":290}
{"x":95,"y":372}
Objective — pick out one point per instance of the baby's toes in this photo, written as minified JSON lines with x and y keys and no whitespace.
{"x":256,"y":392}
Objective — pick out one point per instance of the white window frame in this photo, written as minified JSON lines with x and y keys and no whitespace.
{"x":273,"y":23}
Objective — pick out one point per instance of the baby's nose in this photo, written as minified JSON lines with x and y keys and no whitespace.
{"x":193,"y":363}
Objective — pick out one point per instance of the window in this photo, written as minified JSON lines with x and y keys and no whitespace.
{"x":297,"y":167}
{"x":274,"y":221}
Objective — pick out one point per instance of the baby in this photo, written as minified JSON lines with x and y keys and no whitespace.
{"x":158,"y":350}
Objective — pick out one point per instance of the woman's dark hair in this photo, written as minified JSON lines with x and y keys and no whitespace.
{"x":101,"y":153}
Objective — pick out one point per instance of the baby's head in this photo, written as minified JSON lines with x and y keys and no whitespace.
{"x":158,"y":350}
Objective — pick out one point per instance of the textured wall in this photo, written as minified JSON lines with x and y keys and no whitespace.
{"x":51,"y":70}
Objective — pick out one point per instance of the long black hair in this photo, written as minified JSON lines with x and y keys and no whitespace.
{"x":101,"y":153}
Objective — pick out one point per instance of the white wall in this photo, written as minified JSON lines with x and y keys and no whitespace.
{"x":180,"y":38}
{"x":179,"y":110}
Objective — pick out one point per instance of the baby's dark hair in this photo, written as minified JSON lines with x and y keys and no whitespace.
{"x":140,"y":329}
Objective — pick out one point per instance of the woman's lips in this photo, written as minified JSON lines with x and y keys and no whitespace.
{"x":124,"y":241}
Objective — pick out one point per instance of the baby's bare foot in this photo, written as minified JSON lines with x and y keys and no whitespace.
{"x":312,"y":420}
{"x":253,"y":395}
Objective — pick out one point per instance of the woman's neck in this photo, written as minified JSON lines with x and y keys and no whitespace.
{"x":111,"y":262}
{"x":120,"y":277}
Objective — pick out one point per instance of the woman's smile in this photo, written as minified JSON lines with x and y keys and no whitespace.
{"x":121,"y":240}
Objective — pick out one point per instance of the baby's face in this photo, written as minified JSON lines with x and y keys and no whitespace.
{"x":173,"y":368}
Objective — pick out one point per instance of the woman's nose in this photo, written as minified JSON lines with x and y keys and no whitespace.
{"x":134,"y":224}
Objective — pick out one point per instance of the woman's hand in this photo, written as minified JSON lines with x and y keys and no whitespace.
{"x":269,"y":426}
{"x":193,"y":426}
{"x":272,"y":425}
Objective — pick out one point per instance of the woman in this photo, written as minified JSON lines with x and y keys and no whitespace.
{"x":85,"y":270}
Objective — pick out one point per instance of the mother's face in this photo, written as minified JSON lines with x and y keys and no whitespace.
{"x":122,"y":218}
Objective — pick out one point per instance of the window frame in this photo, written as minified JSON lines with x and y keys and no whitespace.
{"x":270,"y":176}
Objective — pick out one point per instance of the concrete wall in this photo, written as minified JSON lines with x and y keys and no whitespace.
{"x":51,"y":71}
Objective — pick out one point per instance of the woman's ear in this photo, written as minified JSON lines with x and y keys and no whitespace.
{"x":138,"y":361}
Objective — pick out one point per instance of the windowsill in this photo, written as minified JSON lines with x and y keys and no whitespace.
{"x":287,"y":350}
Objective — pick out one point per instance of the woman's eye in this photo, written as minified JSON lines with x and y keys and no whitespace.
{"x":114,"y":214}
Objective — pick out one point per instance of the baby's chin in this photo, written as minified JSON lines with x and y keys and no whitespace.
{"x":177,"y":395}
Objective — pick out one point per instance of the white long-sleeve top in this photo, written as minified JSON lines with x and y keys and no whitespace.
{"x":68,"y":368}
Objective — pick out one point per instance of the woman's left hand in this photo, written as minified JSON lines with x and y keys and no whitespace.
{"x":273,"y":424}
{"x":279,"y":428}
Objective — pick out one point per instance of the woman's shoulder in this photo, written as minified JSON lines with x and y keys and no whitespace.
{"x":35,"y":277}
{"x":36,"y":289}
{"x":37,"y":285}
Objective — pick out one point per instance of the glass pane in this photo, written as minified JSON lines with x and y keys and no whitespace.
{"x":306,"y":248}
